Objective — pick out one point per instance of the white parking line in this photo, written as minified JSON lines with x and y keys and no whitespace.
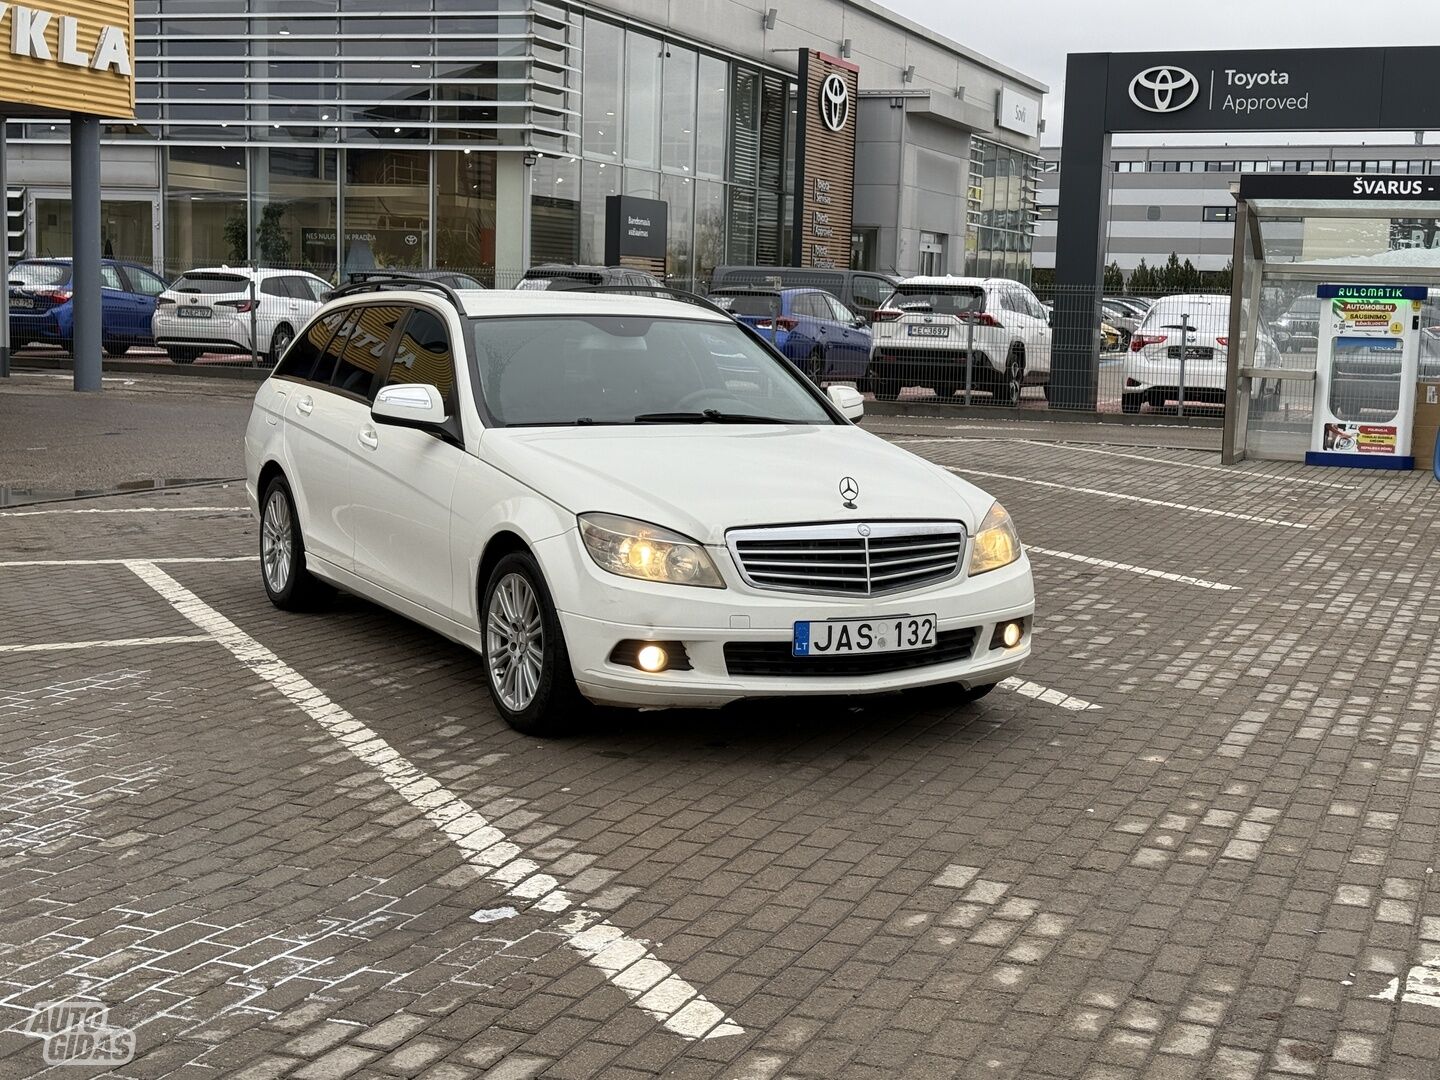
{"x":1144,"y":571}
{"x":1229,"y":470}
{"x":624,"y":961}
{"x":130,"y":510}
{"x":1047,"y":695}
{"x":117,"y":643}
{"x":127,"y":562}
{"x":1208,"y":510}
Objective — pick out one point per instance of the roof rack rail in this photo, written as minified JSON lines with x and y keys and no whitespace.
{"x":394,"y":281}
{"x":659,"y":290}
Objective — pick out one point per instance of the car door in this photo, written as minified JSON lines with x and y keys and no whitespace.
{"x":854,"y":353}
{"x":119,"y":310}
{"x":146,"y":287}
{"x":320,"y":428}
{"x":404,"y":477}
{"x":1044,"y":335}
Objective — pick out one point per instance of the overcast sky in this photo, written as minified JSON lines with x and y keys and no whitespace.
{"x":1033,"y":36}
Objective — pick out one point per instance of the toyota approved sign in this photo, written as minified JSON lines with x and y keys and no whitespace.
{"x":1251,"y":90}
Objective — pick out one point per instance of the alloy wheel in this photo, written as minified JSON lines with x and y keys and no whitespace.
{"x":514,"y":642}
{"x":277,"y":544}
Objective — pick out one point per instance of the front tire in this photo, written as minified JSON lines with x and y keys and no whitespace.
{"x":527,"y":666}
{"x":813,"y":366}
{"x":1130,"y":403}
{"x":183,"y":356}
{"x":290,"y":586}
{"x":885,"y":389}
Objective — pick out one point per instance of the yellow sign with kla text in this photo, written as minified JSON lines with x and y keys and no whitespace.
{"x":72,"y":56}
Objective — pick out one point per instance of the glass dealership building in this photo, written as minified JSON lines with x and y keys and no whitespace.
{"x":487,"y":134}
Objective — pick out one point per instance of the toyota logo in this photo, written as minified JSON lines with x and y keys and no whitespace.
{"x":834,"y":102}
{"x":849,"y":489}
{"x":1164,"y":89}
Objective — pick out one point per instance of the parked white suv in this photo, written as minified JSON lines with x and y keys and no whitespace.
{"x":627,"y":499}
{"x":922,"y":334}
{"x":224,"y":309}
{"x":1153,"y":372}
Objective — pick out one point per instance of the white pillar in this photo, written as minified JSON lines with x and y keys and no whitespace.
{"x":512,"y":218}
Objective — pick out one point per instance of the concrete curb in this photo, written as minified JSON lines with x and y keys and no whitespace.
{"x":135,"y":367}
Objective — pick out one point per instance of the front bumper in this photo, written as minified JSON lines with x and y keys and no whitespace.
{"x":599,"y":610}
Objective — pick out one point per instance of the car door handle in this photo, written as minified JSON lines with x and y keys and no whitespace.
{"x":305,"y":406}
{"x":369,"y":439}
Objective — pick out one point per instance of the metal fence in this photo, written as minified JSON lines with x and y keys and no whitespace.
{"x":992,"y":345}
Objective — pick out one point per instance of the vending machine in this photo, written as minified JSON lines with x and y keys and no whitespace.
{"x":1365,"y":372}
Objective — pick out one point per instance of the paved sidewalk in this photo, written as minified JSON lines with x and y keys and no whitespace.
{"x":1197,"y":842}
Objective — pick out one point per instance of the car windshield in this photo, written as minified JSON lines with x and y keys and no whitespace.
{"x":32,"y":275}
{"x":618,"y":369}
{"x":210,"y":283}
{"x":950,"y":300}
{"x":755,"y":303}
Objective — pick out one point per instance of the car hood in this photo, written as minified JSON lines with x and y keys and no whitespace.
{"x":703,"y":479}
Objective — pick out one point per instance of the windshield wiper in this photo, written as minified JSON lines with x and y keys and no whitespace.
{"x":579,"y":421}
{"x":709,"y":416}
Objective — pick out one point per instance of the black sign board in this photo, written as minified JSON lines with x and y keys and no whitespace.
{"x":634,"y":227}
{"x":1340,"y":187}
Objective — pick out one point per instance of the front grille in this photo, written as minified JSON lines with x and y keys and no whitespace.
{"x":860,"y":559}
{"x":773,"y":657}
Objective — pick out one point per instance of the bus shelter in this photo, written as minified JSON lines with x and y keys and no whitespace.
{"x":1299,"y":241}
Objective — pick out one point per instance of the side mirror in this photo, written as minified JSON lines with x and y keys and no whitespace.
{"x":848,"y":400}
{"x":416,"y":405}
{"x":859,"y":322}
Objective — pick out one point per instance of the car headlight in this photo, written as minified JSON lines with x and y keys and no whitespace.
{"x":638,"y":549}
{"x":997,"y":543}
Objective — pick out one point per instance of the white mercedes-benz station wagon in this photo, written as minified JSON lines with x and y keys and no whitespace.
{"x":628,"y":499}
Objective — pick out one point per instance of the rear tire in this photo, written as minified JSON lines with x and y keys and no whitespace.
{"x":1011,"y":380}
{"x":116,"y":349}
{"x":280,"y":342}
{"x":290,"y":586}
{"x":1130,"y":403}
{"x":527,"y":666}
{"x":813,"y":366}
{"x":183,"y":356}
{"x":885,"y":389}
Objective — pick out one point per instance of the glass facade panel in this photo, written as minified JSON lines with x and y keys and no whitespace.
{"x":1004,"y":226}
{"x":555,"y":210}
{"x":677,"y":111}
{"x":387,"y":208}
{"x":598,"y":181}
{"x":712,"y":116}
{"x":600,"y":130}
{"x":709,"y":228}
{"x":205,"y":215}
{"x":642,"y":101}
{"x":293,"y":207}
{"x":679,"y":195}
{"x":465,"y":210}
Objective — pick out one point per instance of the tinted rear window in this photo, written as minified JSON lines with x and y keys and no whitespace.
{"x":748,"y":303}
{"x":211,"y":283}
{"x":953,"y":300}
{"x":1204,"y":311}
{"x":559,"y":280}
{"x":39,"y":274}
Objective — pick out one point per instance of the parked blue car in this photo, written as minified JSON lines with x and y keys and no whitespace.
{"x":42,"y":308}
{"x":819,"y":334}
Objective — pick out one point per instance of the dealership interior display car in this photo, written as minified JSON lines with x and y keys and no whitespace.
{"x":42,"y":304}
{"x":230,"y":310}
{"x":626,"y":499}
{"x":928,"y":329}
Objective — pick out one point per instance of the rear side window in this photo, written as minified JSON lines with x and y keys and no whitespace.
{"x":211,"y":284}
{"x":300,"y":359}
{"x":144,"y":282}
{"x":304,"y":288}
{"x":40,"y":275}
{"x":110,"y":279}
{"x":274,"y":287}
{"x":366,"y":349}
{"x":330,"y":355}
{"x":424,"y":355}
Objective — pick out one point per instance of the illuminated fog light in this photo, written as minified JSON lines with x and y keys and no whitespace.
{"x":1011,"y":634}
{"x":652,"y":658}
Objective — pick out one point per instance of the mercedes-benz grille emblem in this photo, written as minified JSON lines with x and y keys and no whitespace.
{"x":834,"y":102}
{"x":849,"y":490}
{"x":1164,"y":89}
{"x":863,"y":530}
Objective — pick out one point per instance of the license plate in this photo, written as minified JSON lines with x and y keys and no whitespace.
{"x":849,"y":637}
{"x":1193,"y":352}
{"x":19,"y":302}
{"x":194,"y":313}
{"x":928,"y":331}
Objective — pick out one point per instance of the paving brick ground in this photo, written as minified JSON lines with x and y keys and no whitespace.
{"x":1224,"y":871}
